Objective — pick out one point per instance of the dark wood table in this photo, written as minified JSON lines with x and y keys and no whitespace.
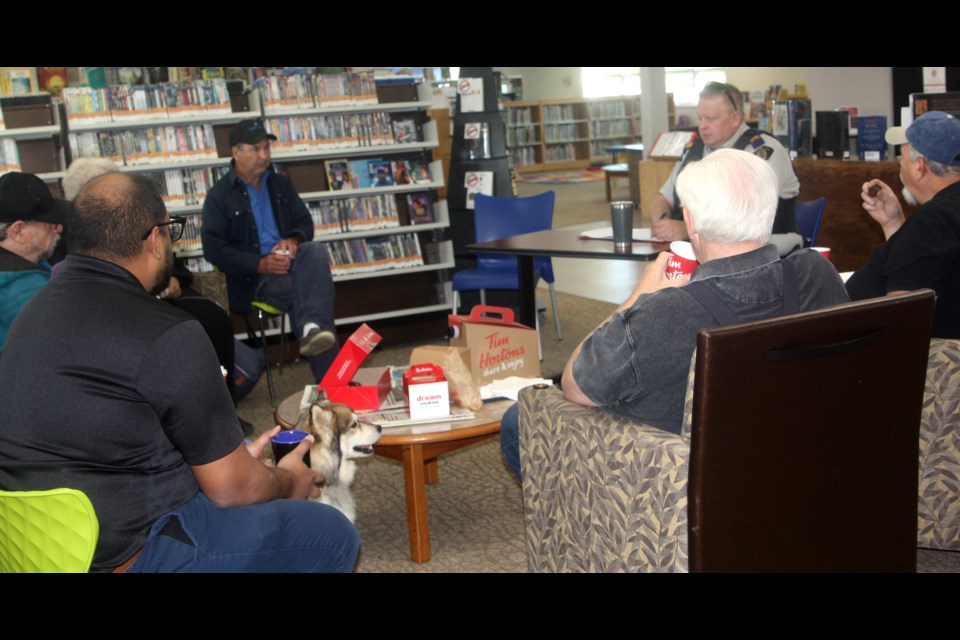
{"x":418,"y":447}
{"x":557,"y":243}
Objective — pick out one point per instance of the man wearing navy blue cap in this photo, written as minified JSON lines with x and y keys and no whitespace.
{"x":31,"y":220}
{"x":924,"y":250}
{"x":258,"y":231}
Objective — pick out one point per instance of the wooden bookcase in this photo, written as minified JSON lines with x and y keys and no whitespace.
{"x":545,"y":135}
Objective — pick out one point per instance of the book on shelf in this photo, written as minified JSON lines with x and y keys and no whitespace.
{"x":366,"y":255}
{"x":9,"y":155}
{"x":359,"y":174}
{"x":419,"y":171}
{"x":381,"y":173}
{"x":357,"y":213}
{"x":671,"y":144}
{"x":401,"y":172}
{"x":338,"y":174}
{"x":420,"y":208}
{"x":18,"y":80}
{"x":404,"y":129}
{"x":871,"y":143}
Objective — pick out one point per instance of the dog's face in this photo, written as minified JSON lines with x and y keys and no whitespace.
{"x":338,"y":436}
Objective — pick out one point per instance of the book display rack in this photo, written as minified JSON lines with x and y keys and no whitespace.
{"x":30,"y":136}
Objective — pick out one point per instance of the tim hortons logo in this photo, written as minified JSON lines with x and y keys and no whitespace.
{"x":499,"y":351}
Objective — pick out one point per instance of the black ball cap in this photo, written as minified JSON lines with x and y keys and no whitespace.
{"x":24,"y":196}
{"x":249,"y":132}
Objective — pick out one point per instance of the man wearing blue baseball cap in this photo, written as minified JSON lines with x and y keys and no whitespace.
{"x":924,"y":250}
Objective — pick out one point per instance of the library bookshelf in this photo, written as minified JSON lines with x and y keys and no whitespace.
{"x":545,"y":135}
{"x":391,"y":273}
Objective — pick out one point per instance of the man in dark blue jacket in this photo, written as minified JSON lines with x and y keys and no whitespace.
{"x":258,"y":231}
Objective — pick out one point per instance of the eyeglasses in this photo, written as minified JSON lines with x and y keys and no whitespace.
{"x":176,"y":224}
{"x":719,"y":87}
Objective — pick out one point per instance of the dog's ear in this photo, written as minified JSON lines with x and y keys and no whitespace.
{"x":324,"y":423}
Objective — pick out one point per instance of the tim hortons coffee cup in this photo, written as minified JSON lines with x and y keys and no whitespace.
{"x":285,"y":442}
{"x":824,"y":251}
{"x":682,"y":260}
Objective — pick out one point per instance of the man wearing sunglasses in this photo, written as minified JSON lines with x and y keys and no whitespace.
{"x":31,"y":220}
{"x":121,"y":397}
{"x":721,"y":125}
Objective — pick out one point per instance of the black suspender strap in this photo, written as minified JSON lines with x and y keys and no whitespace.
{"x":721,"y":312}
{"x":711,"y":302}
{"x":791,"y":289}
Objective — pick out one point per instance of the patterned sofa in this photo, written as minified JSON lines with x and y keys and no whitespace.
{"x":611,"y":494}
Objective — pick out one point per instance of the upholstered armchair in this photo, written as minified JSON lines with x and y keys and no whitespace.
{"x":797,"y":453}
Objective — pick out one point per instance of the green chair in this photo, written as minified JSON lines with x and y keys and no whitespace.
{"x":269,"y":309}
{"x":47,"y":531}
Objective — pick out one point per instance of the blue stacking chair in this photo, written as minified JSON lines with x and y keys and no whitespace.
{"x":497,"y":218}
{"x":809,"y":215}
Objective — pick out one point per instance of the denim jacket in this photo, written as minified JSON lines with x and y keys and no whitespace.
{"x":229,"y":232}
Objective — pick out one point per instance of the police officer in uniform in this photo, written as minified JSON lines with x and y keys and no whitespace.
{"x":720,"y":113}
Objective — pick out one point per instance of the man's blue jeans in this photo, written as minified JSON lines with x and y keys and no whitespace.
{"x":307,"y":294}
{"x":279,"y":536}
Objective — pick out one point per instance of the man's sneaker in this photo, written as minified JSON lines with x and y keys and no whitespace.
{"x":316,"y":342}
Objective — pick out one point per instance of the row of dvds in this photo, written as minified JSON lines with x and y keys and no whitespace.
{"x":561,"y":133}
{"x":310,"y":133}
{"x":520,"y":116}
{"x":120,"y":103}
{"x":522,"y":136}
{"x":610,"y":128}
{"x":317,"y":91}
{"x":561,"y":153}
{"x":362,"y":213}
{"x":9,"y":155}
{"x":364,"y":255}
{"x":613,"y":109}
{"x":151,"y":145}
{"x":524,"y":156}
{"x":186,"y":187}
{"x":558,"y":112}
{"x":361,"y":174}
{"x":190,"y":240}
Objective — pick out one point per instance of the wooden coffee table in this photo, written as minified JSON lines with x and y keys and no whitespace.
{"x":418,"y":448}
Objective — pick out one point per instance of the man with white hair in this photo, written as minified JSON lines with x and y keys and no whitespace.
{"x":636,"y":362}
{"x":924,"y":250}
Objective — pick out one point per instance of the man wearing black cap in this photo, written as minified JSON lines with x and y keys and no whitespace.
{"x":30,"y":225}
{"x":924,"y":250}
{"x":258,"y":231}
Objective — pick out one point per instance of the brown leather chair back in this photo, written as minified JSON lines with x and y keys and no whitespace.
{"x":803,"y":451}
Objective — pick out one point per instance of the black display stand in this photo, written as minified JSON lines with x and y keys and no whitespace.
{"x":478,"y":145}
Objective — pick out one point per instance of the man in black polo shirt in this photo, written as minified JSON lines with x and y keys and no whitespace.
{"x":924,"y":250}
{"x":108,"y":390}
